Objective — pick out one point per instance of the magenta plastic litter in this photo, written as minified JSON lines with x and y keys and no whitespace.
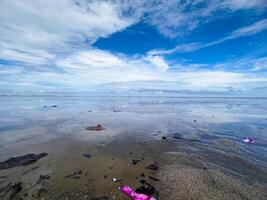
{"x":133,"y":195}
{"x":248,"y":140}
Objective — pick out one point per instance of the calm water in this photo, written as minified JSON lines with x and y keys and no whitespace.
{"x":204,"y":130}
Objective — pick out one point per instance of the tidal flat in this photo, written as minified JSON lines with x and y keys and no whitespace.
{"x":174,"y":148}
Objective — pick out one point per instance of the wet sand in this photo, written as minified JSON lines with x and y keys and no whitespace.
{"x":196,"y":145}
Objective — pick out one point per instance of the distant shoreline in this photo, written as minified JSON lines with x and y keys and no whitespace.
{"x":135,"y":96}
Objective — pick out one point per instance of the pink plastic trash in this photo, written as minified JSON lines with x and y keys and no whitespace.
{"x":133,"y":195}
{"x":248,"y":140}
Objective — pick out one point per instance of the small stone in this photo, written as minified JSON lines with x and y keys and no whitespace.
{"x":95,"y":128}
{"x":142,"y":175}
{"x":153,"y":167}
{"x":87,"y":155}
{"x":134,"y":162}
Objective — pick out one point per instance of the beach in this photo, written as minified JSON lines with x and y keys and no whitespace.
{"x":172,"y":147}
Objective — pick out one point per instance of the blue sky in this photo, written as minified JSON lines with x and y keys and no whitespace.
{"x":85,"y":45}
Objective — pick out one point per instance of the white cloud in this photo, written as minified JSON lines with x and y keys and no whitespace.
{"x":247,"y":63}
{"x":173,"y":18}
{"x":54,"y":40}
{"x":243,"y":4}
{"x":207,"y":79}
{"x":33,"y":57}
{"x":249,"y":30}
{"x":179,"y":48}
{"x":92,"y":58}
{"x":87,"y":69}
{"x":31,"y":27}
{"x":259,"y":64}
{"x":159,"y":62}
{"x":98,"y":66}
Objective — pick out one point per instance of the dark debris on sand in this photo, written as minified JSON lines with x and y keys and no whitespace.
{"x":147,"y":189}
{"x":134,"y":162}
{"x":153,"y":167}
{"x":87,"y":155}
{"x":163,"y":137}
{"x":21,"y":160}
{"x":53,"y":106}
{"x":10,"y":191}
{"x":99,"y":127}
{"x":153,"y":178}
{"x":75,"y":175}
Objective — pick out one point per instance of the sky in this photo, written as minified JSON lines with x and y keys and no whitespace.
{"x":133,"y":45}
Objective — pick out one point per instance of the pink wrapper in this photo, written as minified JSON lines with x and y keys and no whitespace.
{"x":248,"y":140}
{"x":133,"y":195}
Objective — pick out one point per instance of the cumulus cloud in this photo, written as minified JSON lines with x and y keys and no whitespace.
{"x":99,"y":66}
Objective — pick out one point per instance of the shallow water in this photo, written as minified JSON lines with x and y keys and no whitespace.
{"x":202,"y":157}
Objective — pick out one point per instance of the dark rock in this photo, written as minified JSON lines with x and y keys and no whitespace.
{"x":163,"y":137}
{"x":153,"y":178}
{"x":87,"y":155}
{"x":142,"y":181}
{"x":53,"y":106}
{"x":147,"y":189}
{"x":16,"y":188}
{"x":153,"y":167}
{"x":21,"y":160}
{"x":95,"y":128}
{"x":44,"y":177}
{"x":142,"y":175}
{"x":75,"y":174}
{"x":134,"y":162}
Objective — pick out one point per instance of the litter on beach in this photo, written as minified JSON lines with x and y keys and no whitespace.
{"x":134,"y":195}
{"x":248,"y":140}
